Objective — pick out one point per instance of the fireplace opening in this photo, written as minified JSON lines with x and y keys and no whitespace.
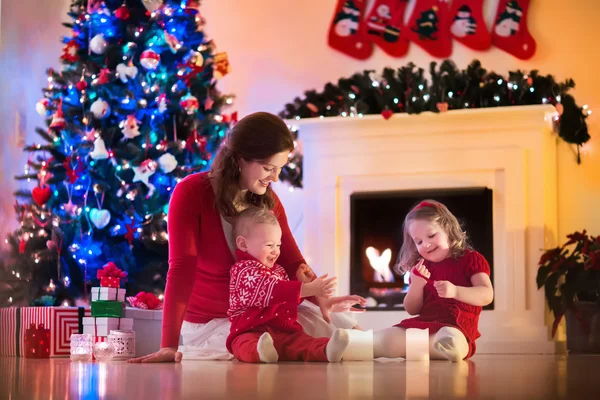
{"x":376,"y":237}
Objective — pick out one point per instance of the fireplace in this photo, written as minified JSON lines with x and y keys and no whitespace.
{"x":509,"y":151}
{"x":376,"y":237}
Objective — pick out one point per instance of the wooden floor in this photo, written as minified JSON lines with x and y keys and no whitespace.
{"x":485,"y":376}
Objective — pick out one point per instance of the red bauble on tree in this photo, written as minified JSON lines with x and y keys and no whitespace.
{"x":122,"y":13}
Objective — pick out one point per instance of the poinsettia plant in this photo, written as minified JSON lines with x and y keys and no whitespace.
{"x":570,"y":274}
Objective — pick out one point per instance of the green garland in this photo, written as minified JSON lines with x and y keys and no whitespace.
{"x":406,"y":89}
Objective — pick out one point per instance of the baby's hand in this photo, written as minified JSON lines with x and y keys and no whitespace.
{"x":421,"y":269}
{"x":322,"y":286}
{"x":445,"y":289}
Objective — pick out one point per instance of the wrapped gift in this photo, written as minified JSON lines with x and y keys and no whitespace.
{"x":37,"y":341}
{"x":101,"y":327}
{"x":111,"y":276}
{"x":107,"y":309}
{"x":108,"y":294}
{"x":60,"y":321}
{"x":148,"y":325}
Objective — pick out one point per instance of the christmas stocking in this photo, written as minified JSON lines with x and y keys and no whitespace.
{"x":510,"y":29}
{"x":468,"y":26}
{"x":347,"y":34}
{"x":428,"y":27}
{"x":384,"y":24}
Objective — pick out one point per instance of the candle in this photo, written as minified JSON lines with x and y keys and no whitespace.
{"x":417,"y":344}
{"x":81,"y":347}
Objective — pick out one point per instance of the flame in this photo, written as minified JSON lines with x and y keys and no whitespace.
{"x":380,"y":262}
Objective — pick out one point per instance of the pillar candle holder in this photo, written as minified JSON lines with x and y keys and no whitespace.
{"x":124,"y":344}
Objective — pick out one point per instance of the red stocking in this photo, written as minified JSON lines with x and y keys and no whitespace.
{"x":510,"y":29}
{"x":347,"y":32}
{"x":468,"y":26}
{"x":428,"y":27}
{"x":384,"y":24}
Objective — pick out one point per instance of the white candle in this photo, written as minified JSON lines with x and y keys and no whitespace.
{"x":417,"y":344}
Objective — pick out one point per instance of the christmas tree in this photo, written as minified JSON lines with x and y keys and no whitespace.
{"x":133,"y":110}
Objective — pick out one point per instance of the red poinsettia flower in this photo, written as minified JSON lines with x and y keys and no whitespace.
{"x":577,"y":237}
{"x":593,"y":262}
{"x":549,"y":255}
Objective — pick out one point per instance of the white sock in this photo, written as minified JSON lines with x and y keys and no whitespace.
{"x":337,"y":344}
{"x":266,"y":349}
{"x":451,"y":344}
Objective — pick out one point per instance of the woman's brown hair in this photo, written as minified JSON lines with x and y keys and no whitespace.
{"x":256,"y":137}
{"x":434,"y":212}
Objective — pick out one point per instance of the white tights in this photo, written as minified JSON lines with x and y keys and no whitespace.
{"x":446,"y":344}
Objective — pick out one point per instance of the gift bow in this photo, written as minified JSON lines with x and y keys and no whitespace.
{"x":110,"y":270}
{"x":145,"y":301}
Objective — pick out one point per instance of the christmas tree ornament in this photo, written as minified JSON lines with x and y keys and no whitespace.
{"x":172,"y":41}
{"x":192,"y":7}
{"x":58,"y":119}
{"x":81,"y":85}
{"x":510,"y":31}
{"x":428,"y":27}
{"x":221,"y":65}
{"x":130,"y":234}
{"x":122,"y":13}
{"x":167,"y":162}
{"x":195,"y":59}
{"x":208,"y":103}
{"x":384,"y":25}
{"x":442,"y":107}
{"x":70,"y":50}
{"x":99,"y":152}
{"x":346,"y":33}
{"x":130,"y":127}
{"x":161,"y":102}
{"x":189,"y":103}
{"x":152,"y":5}
{"x":387,"y":114}
{"x":41,"y":195}
{"x":126,"y":72}
{"x":144,"y":172}
{"x":468,"y":25}
{"x":100,"y":218}
{"x":103,"y":78}
{"x":41,"y":107}
{"x":98,"y":44}
{"x":103,"y":351}
{"x":149,"y":59}
{"x":100,"y":109}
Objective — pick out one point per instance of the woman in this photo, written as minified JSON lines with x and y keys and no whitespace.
{"x":202,"y":210}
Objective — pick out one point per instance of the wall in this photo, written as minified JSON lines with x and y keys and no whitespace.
{"x":278,"y":49}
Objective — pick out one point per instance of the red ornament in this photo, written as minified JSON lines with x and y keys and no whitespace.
{"x":122,"y":13}
{"x":130,"y":233}
{"x":81,"y":85}
{"x":103,"y":78}
{"x":442,"y":107}
{"x":73,"y":173}
{"x":312,"y":107}
{"x":387,"y":114}
{"x":70,"y":51}
{"x":190,"y":104}
{"x":149,"y":59}
{"x":192,"y":7}
{"x":41,"y":195}
{"x":233,"y":118}
{"x":22,"y":245}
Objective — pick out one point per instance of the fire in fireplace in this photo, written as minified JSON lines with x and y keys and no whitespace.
{"x":376,"y":237}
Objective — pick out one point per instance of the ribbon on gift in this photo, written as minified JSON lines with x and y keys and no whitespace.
{"x":110,"y":275}
{"x":145,"y":301}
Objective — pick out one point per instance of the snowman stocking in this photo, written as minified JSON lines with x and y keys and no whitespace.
{"x":347,"y":34}
{"x":428,"y":27}
{"x":510,"y":29}
{"x":468,"y":26}
{"x":384,"y":24}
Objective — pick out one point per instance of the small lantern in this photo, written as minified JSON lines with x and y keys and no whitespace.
{"x":81,"y":347}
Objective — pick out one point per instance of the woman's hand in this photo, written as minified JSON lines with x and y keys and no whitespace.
{"x":166,"y":354}
{"x":305,"y":274}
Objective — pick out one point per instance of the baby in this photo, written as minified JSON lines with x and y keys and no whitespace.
{"x":263,"y":302}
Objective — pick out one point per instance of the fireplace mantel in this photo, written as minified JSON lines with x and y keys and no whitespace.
{"x":511,"y":150}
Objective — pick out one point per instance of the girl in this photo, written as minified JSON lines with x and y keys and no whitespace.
{"x":449,"y":284}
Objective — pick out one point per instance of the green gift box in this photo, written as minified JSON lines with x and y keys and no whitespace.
{"x":107,"y":309}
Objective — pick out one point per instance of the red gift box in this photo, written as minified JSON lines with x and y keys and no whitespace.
{"x":109,"y":281}
{"x":61,"y":322}
{"x":37,"y":341}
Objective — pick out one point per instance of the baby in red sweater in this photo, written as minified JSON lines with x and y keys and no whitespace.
{"x":263,"y":302}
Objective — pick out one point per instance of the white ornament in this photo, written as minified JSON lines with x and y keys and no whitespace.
{"x":144,"y":172}
{"x":126,"y":72}
{"x":99,"y":152}
{"x":152,"y":5}
{"x":42,"y":106}
{"x":100,"y":218}
{"x":98,"y":44}
{"x":130,"y":127}
{"x":100,"y":109}
{"x":149,"y":59}
{"x":167,"y":162}
{"x":162,"y":103}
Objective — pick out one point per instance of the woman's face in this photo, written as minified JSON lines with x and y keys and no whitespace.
{"x":256,"y":176}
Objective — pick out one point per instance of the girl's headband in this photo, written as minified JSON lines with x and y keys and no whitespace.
{"x":424,"y":204}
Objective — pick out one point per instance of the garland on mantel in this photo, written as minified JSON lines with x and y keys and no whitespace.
{"x":407,"y":90}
